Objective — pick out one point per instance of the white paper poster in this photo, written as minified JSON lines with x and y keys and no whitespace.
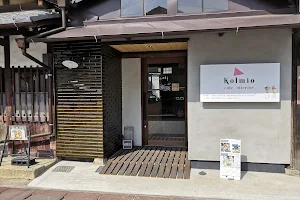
{"x":257,"y":82}
{"x":230,"y":159}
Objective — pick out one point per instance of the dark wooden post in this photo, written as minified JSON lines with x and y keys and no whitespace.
{"x":295,"y":138}
{"x":8,"y":84}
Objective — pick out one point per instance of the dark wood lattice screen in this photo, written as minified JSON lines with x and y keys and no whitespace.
{"x":79,"y":100}
{"x":112,"y":101}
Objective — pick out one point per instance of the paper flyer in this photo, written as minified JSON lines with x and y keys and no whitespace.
{"x":230,"y":159}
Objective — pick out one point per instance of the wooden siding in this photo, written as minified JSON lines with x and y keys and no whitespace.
{"x":151,"y":47}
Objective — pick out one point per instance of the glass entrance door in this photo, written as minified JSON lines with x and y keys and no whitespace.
{"x":166,"y":104}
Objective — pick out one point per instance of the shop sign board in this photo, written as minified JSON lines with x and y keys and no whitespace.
{"x":230,"y":159}
{"x":257,"y":82}
{"x":17,"y":132}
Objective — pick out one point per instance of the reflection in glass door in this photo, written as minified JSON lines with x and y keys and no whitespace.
{"x":166,"y":106}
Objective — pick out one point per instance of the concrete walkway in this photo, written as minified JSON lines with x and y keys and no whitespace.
{"x":253,"y":185}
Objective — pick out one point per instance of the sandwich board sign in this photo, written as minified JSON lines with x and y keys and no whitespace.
{"x":18,"y":133}
{"x":230,"y":159}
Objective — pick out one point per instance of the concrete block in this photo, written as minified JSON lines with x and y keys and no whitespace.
{"x":292,"y":172}
{"x":22,"y":172}
{"x":99,"y":161}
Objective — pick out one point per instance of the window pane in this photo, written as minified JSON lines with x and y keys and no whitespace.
{"x":189,"y":6}
{"x":131,"y":8}
{"x":215,"y":5}
{"x":156,"y":7}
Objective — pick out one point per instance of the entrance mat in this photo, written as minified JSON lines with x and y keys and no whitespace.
{"x":66,"y":169}
{"x":160,"y":162}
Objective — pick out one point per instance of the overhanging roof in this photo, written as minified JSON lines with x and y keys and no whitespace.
{"x":174,"y":27}
{"x":10,"y":19}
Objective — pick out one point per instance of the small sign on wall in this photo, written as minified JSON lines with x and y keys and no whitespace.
{"x":258,"y":82}
{"x":230,"y":159}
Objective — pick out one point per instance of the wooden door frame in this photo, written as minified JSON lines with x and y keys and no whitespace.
{"x":144,"y":87}
{"x":295,"y":135}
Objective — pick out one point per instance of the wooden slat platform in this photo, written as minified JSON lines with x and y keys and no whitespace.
{"x":161,"y":162}
{"x":173,"y":137}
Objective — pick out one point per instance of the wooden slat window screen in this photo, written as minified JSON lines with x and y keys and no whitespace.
{"x":30,"y":94}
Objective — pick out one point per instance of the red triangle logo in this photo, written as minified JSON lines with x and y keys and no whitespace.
{"x":237,"y":72}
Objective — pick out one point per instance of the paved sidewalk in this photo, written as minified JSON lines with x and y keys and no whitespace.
{"x":34,"y":194}
{"x":253,"y":186}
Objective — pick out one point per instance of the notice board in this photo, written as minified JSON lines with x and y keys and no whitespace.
{"x":255,"y":82}
{"x":230,"y":159}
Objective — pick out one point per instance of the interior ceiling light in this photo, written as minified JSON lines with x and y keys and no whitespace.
{"x":70,"y":64}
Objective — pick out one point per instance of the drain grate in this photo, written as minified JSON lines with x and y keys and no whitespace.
{"x":66,"y":169}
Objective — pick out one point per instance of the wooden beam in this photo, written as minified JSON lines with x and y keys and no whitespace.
{"x":156,"y":54}
{"x":146,"y":41}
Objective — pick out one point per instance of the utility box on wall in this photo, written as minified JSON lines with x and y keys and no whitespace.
{"x":128,"y":137}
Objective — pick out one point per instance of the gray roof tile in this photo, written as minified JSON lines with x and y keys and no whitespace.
{"x":23,"y":16}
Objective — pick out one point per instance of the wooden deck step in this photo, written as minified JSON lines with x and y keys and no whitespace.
{"x":160,"y":162}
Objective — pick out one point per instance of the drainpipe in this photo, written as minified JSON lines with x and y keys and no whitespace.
{"x":23,"y":43}
{"x":57,"y":30}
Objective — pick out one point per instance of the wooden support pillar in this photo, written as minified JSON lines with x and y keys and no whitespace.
{"x":51,"y":108}
{"x":8,"y":87}
{"x":295,"y":137}
{"x":8,"y":81}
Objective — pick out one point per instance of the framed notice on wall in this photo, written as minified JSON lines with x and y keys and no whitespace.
{"x":258,"y":82}
{"x":230,"y":159}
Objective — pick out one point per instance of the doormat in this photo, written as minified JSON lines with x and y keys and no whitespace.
{"x":65,"y":169}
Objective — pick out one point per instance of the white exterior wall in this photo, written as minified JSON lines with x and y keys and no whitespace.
{"x":131,"y":97}
{"x":18,"y":59}
{"x":264,"y":128}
